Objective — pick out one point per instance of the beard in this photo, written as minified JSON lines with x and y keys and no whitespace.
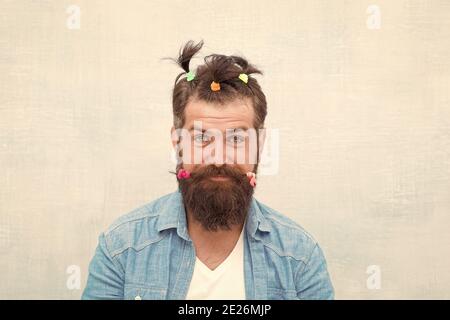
{"x":217,"y":204}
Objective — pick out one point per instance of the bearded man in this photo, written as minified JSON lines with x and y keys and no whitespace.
{"x":211,"y":239}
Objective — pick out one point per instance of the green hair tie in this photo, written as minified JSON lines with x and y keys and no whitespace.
{"x":190,"y":76}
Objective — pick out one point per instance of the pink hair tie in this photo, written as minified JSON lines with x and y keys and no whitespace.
{"x":251,"y":178}
{"x":183,"y":174}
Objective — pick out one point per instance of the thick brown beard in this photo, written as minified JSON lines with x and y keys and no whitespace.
{"x":217,"y":204}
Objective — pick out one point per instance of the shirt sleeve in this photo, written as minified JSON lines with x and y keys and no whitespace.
{"x":105,"y":279}
{"x":312,"y":279}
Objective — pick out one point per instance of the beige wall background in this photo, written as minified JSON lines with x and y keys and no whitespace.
{"x":363,"y":115}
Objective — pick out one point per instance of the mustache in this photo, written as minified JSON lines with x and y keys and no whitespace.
{"x":213,"y":170}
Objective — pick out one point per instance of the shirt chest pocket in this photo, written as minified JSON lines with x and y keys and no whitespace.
{"x":142,"y":292}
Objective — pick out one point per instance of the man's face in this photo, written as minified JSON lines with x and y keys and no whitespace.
{"x":218,"y":144}
{"x":219,"y":134}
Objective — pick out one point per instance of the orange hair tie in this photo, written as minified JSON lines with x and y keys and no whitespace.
{"x":215,"y":86}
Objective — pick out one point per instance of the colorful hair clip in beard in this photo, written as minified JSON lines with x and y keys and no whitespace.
{"x":251,"y":178}
{"x":183,"y":174}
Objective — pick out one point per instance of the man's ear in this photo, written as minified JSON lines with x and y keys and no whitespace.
{"x":174,"y":137}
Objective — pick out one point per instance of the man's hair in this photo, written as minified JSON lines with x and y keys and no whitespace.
{"x":222,"y":69}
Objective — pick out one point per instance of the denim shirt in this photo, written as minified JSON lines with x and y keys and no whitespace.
{"x":148,"y":254}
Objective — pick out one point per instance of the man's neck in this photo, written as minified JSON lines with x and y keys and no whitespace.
{"x":212,"y":247}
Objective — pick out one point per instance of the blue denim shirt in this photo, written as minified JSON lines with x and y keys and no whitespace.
{"x":148,"y":254}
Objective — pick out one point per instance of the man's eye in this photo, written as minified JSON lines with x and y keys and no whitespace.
{"x":201,"y":138}
{"x":236,"y":139}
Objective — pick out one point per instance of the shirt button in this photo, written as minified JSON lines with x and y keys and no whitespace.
{"x":138,"y":298}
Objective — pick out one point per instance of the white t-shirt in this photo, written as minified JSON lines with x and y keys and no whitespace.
{"x":226,"y":282}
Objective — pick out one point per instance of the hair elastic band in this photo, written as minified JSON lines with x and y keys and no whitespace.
{"x":243,"y":77}
{"x":190,"y":76}
{"x":183,"y":174}
{"x":251,"y":178}
{"x":215,"y":86}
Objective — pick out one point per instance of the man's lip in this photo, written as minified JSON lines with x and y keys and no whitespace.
{"x":219,"y":177}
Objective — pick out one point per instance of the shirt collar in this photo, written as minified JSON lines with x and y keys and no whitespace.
{"x":173,"y":215}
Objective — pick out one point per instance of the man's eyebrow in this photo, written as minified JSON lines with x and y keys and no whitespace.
{"x":192,"y":128}
{"x":234,"y":129}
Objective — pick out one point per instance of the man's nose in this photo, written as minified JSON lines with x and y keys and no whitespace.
{"x":217,"y":154}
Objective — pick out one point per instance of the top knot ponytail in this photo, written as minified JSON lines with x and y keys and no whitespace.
{"x":219,"y":80}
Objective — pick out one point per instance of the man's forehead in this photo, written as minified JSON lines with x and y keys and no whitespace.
{"x":234,"y":114}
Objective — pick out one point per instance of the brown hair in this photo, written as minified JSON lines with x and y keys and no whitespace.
{"x":222,"y":69}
